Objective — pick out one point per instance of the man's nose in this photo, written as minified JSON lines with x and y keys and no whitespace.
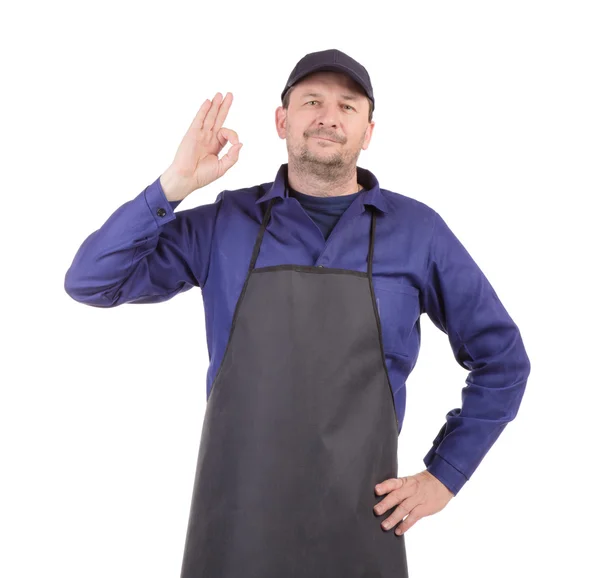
{"x":328,"y":115}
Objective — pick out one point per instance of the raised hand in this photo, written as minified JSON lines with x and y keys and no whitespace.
{"x":196,"y":162}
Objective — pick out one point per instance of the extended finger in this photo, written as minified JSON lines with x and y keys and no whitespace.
{"x":200,"y":115}
{"x":413,"y":517}
{"x":403,"y":509}
{"x":223,"y":110}
{"x":389,"y":485}
{"x":209,"y":121}
{"x":393,"y":498}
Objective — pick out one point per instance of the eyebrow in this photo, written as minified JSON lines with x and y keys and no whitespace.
{"x":344,"y":96}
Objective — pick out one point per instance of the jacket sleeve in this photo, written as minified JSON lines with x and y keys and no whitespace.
{"x":144,"y":252}
{"x":460,"y":301}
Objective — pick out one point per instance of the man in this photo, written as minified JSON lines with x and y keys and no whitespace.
{"x":313,"y":286}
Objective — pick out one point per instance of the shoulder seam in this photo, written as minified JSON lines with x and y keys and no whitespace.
{"x":222,"y":195}
{"x":429,"y":250}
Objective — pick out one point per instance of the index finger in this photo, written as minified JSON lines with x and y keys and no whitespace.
{"x":387,"y":486}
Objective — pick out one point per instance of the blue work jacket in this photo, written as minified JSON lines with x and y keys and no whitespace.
{"x":148,"y":253}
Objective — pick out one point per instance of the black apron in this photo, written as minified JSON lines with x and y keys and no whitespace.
{"x":300,"y":426}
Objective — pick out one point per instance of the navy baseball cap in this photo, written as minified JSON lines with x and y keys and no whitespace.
{"x":335,"y":61}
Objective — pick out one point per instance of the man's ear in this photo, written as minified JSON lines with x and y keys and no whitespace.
{"x":369,"y":135}
{"x":281,"y":121}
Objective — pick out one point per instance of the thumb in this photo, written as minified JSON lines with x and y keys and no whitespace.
{"x":230,"y":158}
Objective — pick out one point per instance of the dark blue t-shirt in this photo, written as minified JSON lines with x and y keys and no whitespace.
{"x":324,"y":211}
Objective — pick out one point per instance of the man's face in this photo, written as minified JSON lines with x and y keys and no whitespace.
{"x":329,"y":105}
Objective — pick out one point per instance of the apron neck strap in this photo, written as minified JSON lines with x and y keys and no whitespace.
{"x":263,"y":227}
{"x":371,"y":244}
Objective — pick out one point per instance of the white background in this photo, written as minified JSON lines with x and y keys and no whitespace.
{"x":486,"y":111}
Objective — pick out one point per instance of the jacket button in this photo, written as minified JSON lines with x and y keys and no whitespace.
{"x":161,"y":212}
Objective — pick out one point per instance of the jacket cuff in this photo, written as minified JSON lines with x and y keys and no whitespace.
{"x":445,"y":472}
{"x":162,"y":210}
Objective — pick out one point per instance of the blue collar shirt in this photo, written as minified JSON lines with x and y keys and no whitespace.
{"x":147,"y":253}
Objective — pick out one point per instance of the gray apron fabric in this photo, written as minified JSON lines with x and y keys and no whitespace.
{"x":300,"y":426}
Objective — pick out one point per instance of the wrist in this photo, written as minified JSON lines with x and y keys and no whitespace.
{"x":174,"y":187}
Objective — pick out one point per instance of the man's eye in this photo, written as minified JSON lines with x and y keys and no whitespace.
{"x":344,"y":105}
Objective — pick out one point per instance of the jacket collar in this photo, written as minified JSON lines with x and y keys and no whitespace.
{"x":371,"y":193}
